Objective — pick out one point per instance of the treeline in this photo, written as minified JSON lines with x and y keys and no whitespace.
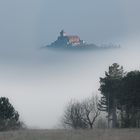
{"x":120,"y":99}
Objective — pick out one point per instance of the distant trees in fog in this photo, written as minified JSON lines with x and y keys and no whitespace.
{"x":9,"y":117}
{"x":81,"y":114}
{"x":120,"y":99}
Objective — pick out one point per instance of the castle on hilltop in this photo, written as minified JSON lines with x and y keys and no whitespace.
{"x":74,"y":42}
{"x":70,"y":39}
{"x":67,"y":40}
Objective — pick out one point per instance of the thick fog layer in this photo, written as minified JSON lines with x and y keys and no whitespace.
{"x":40,"y":82}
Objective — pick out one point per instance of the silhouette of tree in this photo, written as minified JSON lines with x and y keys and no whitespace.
{"x":110,"y":90}
{"x":91,"y":111}
{"x":130,"y":100}
{"x":81,"y":114}
{"x":9,"y":117}
{"x":73,"y":116}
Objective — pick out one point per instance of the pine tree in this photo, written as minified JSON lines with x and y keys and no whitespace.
{"x":130,"y":100}
{"x":110,"y":90}
{"x":9,"y":117}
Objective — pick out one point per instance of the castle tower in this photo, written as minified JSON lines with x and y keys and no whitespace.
{"x":62,"y":33}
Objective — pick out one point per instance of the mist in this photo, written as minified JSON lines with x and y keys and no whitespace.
{"x":40,"y":82}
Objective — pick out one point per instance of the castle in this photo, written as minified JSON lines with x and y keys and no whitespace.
{"x":74,"y":42}
{"x":66,"y":40}
{"x":71,"y":39}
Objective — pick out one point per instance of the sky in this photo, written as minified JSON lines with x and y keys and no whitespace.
{"x":94,"y":20}
{"x":39,"y":22}
{"x":34,"y":78}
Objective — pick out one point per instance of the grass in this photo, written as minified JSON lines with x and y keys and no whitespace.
{"x":96,"y":134}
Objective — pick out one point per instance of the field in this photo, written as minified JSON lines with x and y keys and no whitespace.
{"x":97,"y":134}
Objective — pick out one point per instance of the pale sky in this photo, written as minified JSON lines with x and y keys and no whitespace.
{"x":36,"y":22}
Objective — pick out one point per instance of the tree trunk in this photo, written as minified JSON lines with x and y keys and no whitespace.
{"x":114,"y":116}
{"x":91,"y":126}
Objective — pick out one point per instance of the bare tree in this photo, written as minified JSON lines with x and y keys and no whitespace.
{"x":91,"y":111}
{"x":73,"y":115}
{"x":81,"y":114}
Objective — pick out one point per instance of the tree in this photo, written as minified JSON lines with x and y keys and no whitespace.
{"x":91,"y":111}
{"x":81,"y":114}
{"x":110,"y":90}
{"x":130,"y":100}
{"x":9,"y":117}
{"x":73,"y":116}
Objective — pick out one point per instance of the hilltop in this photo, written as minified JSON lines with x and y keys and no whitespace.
{"x":74,"y":42}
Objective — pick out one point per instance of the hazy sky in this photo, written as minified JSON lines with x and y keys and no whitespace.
{"x":33,"y":79}
{"x":33,"y":23}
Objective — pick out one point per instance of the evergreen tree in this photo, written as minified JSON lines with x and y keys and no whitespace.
{"x":9,"y":117}
{"x":130,"y":100}
{"x":110,"y":90}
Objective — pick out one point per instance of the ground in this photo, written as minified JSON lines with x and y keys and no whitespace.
{"x":96,"y":134}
